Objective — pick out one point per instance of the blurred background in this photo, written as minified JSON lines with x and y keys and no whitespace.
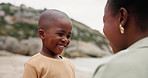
{"x":19,"y":40}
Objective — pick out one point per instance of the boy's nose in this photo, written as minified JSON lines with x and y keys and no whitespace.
{"x":64,"y":39}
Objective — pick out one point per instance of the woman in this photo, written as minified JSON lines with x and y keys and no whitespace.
{"x":126,"y":27}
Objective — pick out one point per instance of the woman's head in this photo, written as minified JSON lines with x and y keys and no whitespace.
{"x":137,"y":8}
{"x":129,"y":16}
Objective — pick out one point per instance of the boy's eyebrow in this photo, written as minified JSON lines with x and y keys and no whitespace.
{"x":60,"y":30}
{"x":63,"y":31}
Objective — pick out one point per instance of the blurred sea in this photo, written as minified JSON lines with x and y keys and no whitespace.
{"x":85,"y":67}
{"x":12,"y":66}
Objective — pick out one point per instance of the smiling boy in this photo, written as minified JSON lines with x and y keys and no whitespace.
{"x":54,"y":29}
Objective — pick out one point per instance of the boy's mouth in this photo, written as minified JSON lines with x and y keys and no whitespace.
{"x":61,"y":46}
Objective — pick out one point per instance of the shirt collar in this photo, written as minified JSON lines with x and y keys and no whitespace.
{"x":140,"y":43}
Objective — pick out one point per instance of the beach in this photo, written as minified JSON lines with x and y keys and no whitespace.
{"x":11,"y":66}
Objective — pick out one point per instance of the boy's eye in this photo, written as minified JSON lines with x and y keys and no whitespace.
{"x":62,"y":34}
{"x":68,"y":36}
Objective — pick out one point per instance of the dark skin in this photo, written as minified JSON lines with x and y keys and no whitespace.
{"x":55,"y":31}
{"x":128,"y":21}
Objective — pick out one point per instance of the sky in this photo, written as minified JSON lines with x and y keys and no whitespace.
{"x":88,"y":12}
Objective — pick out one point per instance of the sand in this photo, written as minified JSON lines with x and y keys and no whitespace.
{"x":11,"y":66}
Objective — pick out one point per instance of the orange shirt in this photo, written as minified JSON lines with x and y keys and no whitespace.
{"x":40,"y":66}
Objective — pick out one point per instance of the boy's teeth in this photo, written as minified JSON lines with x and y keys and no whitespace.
{"x":60,"y":46}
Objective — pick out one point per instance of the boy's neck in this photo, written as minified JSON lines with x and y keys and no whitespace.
{"x":51,"y":55}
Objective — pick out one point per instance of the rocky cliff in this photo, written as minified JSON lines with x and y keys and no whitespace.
{"x":18,"y":34}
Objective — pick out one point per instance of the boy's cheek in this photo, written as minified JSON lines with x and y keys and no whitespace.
{"x":68,"y":42}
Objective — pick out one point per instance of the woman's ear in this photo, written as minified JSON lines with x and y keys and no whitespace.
{"x":41,"y":34}
{"x":123,"y":16}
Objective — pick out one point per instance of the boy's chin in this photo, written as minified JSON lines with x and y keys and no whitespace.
{"x":59,"y":52}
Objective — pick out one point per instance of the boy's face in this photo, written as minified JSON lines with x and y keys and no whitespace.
{"x":57,"y":37}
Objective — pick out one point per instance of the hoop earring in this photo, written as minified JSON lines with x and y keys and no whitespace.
{"x":121,"y":29}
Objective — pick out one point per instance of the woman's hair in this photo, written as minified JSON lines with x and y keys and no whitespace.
{"x":138,"y":8}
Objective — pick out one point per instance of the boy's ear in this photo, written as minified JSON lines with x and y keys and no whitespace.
{"x":41,"y":34}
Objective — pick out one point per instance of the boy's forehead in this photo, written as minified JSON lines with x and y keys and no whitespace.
{"x":60,"y":29}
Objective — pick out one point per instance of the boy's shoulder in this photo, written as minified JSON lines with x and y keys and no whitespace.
{"x":39,"y":58}
{"x":35,"y":58}
{"x":68,"y":61}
